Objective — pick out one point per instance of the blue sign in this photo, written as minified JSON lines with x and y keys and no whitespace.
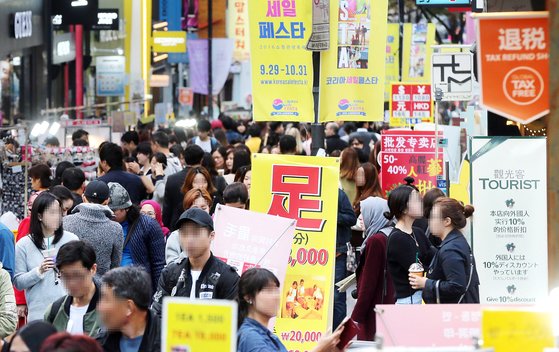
{"x":444,"y":3}
{"x":171,"y":12}
{"x":441,"y":184}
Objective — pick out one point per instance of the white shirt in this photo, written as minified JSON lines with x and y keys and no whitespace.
{"x":195,"y":277}
{"x":75,"y":324}
{"x":317,"y":294}
{"x":292,"y":295}
{"x":206,"y":146}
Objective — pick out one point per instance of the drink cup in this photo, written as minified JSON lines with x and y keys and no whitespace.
{"x":416,"y":269}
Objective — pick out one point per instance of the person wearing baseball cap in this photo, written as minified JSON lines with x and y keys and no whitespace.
{"x":200,"y":275}
{"x":91,"y":222}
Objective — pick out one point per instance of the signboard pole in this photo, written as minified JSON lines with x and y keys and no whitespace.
{"x":210,"y":63}
{"x":401,"y":9}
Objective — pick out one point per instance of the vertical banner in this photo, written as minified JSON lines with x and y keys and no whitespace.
{"x":222,"y":57}
{"x":352,"y":70}
{"x":238,"y":29}
{"x":410,"y":153}
{"x":513,"y":61}
{"x":509,"y":192}
{"x":416,"y":62}
{"x":302,"y":188}
{"x":410,"y":104}
{"x":392,"y":70}
{"x":282,"y":70}
{"x":198,"y":325}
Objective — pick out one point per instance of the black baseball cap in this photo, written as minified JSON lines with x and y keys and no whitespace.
{"x":197,"y":216}
{"x":97,"y":190}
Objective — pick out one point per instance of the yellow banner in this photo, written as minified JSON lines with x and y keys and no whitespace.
{"x":282,"y":70}
{"x":392,"y":58}
{"x":302,"y":188}
{"x":237,"y":28}
{"x":416,"y":63}
{"x":352,"y":70}
{"x":517,"y":331}
{"x":169,"y":42}
{"x":198,"y":325}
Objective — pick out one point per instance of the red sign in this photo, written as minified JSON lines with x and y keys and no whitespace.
{"x":77,"y":123}
{"x":513,"y":56}
{"x":186,"y":96}
{"x":410,"y":103}
{"x":410,"y":153}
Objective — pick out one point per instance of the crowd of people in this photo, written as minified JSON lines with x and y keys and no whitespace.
{"x":92,"y":263}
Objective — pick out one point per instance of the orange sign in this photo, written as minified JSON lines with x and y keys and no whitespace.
{"x":513,"y":61}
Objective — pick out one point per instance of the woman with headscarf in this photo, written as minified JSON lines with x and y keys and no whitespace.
{"x":152,"y":209}
{"x":374,"y":286}
{"x":30,"y":338}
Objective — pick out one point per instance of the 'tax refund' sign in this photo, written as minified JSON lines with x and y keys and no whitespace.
{"x":452,"y":73}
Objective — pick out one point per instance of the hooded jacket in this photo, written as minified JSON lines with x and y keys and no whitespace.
{"x":92,"y":223}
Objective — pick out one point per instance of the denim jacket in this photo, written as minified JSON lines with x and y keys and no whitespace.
{"x":254,"y":337}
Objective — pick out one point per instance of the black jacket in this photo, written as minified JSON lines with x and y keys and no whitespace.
{"x":172,"y":207}
{"x":335,"y":143}
{"x":151,"y":342}
{"x":451,"y":267}
{"x":346,"y":219}
{"x":217,"y":281}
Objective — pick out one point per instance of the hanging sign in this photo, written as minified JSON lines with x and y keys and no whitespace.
{"x":410,"y":103}
{"x":352,"y":70}
{"x":453,"y":74}
{"x":513,"y":61}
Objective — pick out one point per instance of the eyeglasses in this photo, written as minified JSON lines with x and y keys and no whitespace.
{"x":148,"y":213}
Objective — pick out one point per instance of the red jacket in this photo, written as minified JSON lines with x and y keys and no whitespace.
{"x":22,"y":231}
{"x":370,"y":285}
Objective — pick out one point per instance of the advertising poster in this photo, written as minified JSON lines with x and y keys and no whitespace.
{"x":246,"y":239}
{"x":513,"y":61}
{"x":282,"y":69}
{"x":410,"y":103}
{"x":410,"y":153}
{"x":198,"y":325}
{"x":301,"y":188}
{"x":238,"y":29}
{"x":509,"y":192}
{"x":416,"y":63}
{"x":352,"y":70}
{"x":109,"y":75}
{"x":392,"y":58}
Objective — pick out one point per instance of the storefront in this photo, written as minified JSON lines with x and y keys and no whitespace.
{"x":22,"y":63}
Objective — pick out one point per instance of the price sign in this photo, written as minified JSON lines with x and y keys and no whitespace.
{"x":410,"y":104}
{"x":410,"y":153}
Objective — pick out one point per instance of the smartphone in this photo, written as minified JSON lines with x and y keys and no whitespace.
{"x":350,"y":331}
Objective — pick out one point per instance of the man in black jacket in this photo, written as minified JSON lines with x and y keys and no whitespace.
{"x":200,"y":275}
{"x":333,"y":140}
{"x":172,"y":208}
{"x":124,"y":310}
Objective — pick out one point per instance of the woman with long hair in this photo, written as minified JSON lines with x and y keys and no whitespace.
{"x":35,"y":253}
{"x":200,"y":178}
{"x":219,"y":155}
{"x":351,"y":174}
{"x":195,"y":198}
{"x":259,"y":299}
{"x":407,"y":245}
{"x":371,"y":187}
{"x":452,"y":275}
{"x":41,"y":180}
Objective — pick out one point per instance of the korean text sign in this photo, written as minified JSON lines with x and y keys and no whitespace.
{"x":198,"y":325}
{"x":509,"y":192}
{"x":513,"y":61}
{"x":352,"y":70}
{"x":305,"y":189}
{"x":392,"y":71}
{"x":245,"y":239}
{"x":410,"y":103}
{"x":282,"y":70}
{"x":237,"y":28}
{"x":410,"y":153}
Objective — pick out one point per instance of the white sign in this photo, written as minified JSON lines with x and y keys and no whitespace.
{"x":23,"y":24}
{"x":509,"y":193}
{"x":109,"y":76}
{"x":453,"y":73}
